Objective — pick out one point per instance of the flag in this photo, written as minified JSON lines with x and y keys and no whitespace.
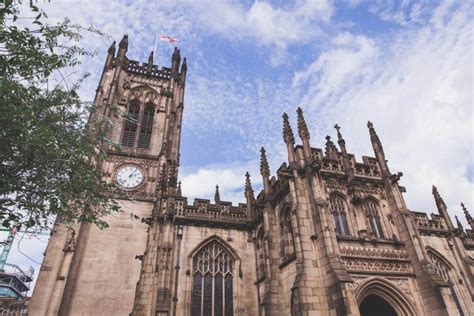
{"x":167,"y":38}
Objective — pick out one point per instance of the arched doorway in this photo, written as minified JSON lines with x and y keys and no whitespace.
{"x":374,"y":305}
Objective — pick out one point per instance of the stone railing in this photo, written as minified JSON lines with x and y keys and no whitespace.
{"x":135,"y":67}
{"x":425,"y":225}
{"x":368,"y":168}
{"x":11,"y":307}
{"x":202,"y":209}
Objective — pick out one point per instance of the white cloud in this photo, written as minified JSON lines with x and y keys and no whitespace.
{"x":264,"y":22}
{"x":417,"y":89}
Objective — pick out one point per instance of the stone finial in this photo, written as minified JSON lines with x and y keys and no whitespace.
{"x":264,"y":169}
{"x":338,"y":129}
{"x":112,"y":49}
{"x":151,"y":58}
{"x":458,"y":223}
{"x":124,"y":43}
{"x":178,"y":189}
{"x":376,"y":143}
{"x":331,"y":150}
{"x":438,"y":199}
{"x":176,"y":55}
{"x":184,"y":66}
{"x":302,"y":128}
{"x":287,"y":132}
{"x":248,"y":187}
{"x":466,"y":213}
{"x":217,"y":196}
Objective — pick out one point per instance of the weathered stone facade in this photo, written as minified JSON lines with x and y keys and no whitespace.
{"x":326,"y":236}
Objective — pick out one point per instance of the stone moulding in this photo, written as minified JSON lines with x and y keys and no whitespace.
{"x":376,"y":261}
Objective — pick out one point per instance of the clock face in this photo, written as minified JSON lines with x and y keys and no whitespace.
{"x":129,"y":176}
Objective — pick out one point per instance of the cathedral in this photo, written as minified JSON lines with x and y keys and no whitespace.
{"x":327,"y":235}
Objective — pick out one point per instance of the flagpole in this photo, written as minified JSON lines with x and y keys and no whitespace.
{"x":156,"y":44}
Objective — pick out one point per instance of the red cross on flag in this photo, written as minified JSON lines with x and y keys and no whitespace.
{"x":167,"y":38}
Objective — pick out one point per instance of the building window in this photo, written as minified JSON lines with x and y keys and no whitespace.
{"x":146,"y":127}
{"x":212,"y":281}
{"x":442,"y":268}
{"x":287,"y":242}
{"x":338,"y":210}
{"x":261,"y":273}
{"x":130,"y":125}
{"x":372,"y":212}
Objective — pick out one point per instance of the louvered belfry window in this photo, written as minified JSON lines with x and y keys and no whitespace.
{"x":212,"y":281}
{"x":146,"y":127}
{"x":130,"y":125}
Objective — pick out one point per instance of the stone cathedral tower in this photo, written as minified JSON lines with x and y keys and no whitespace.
{"x":327,"y":235}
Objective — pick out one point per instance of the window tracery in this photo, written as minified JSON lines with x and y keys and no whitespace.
{"x":338,"y":210}
{"x":372,"y":212}
{"x":146,"y":127}
{"x":287,"y":242}
{"x":130,"y":125}
{"x":212,"y":293}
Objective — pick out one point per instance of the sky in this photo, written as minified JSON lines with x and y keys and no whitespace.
{"x":407,"y":66}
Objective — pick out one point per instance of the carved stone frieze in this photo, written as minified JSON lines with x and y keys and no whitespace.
{"x":376,"y":260}
{"x":359,"y":191}
{"x":334,"y":185}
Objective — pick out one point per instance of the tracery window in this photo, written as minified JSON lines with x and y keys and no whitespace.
{"x":261,"y":273}
{"x":372,"y":212}
{"x":287,"y":242}
{"x":443,"y":269}
{"x":212,"y":281}
{"x":146,"y":127}
{"x":338,"y":210}
{"x":130,"y":125}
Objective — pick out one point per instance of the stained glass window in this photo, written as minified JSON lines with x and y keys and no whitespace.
{"x":130,"y":125}
{"x":372,"y":211}
{"x":338,"y":210}
{"x":146,"y":127}
{"x":212,"y":281}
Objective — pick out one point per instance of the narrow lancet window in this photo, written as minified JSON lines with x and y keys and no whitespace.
{"x":146,"y":127}
{"x":130,"y":125}
{"x":212,"y":281}
{"x":287,"y":243}
{"x":372,"y":212}
{"x":338,"y":210}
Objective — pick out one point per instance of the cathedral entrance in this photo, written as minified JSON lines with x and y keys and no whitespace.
{"x":374,"y":305}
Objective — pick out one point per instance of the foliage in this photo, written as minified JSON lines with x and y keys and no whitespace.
{"x":49,"y":156}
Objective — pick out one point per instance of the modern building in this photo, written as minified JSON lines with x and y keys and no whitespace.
{"x":327,"y":235}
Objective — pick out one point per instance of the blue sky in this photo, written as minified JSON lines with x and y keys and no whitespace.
{"x":405,"y":65}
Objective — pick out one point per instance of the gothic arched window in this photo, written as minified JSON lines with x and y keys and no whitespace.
{"x":287,"y":242}
{"x":212,"y":281}
{"x":338,"y":210}
{"x":146,"y":127}
{"x":261,"y":273}
{"x":130,"y":125}
{"x":372,"y":212}
{"x":444,"y":269}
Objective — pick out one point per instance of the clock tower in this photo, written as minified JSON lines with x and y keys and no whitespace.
{"x":86,"y":270}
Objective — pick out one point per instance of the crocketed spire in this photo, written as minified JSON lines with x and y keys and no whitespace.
{"x":178,"y":189}
{"x":438,"y":199}
{"x":466,"y":213}
{"x":217,"y":196}
{"x":151,"y":58}
{"x":302,"y":128}
{"x":331,"y":150}
{"x":249,"y":194}
{"x":124,"y":42}
{"x":287,"y":132}
{"x":264,"y":169}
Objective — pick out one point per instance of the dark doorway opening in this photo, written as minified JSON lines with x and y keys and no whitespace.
{"x":374,"y":305}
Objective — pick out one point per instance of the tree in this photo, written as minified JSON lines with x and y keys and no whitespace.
{"x":49,"y":154}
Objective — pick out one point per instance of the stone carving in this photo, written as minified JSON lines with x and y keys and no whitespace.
{"x":403,"y":285}
{"x":376,"y":260}
{"x":70,"y":244}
